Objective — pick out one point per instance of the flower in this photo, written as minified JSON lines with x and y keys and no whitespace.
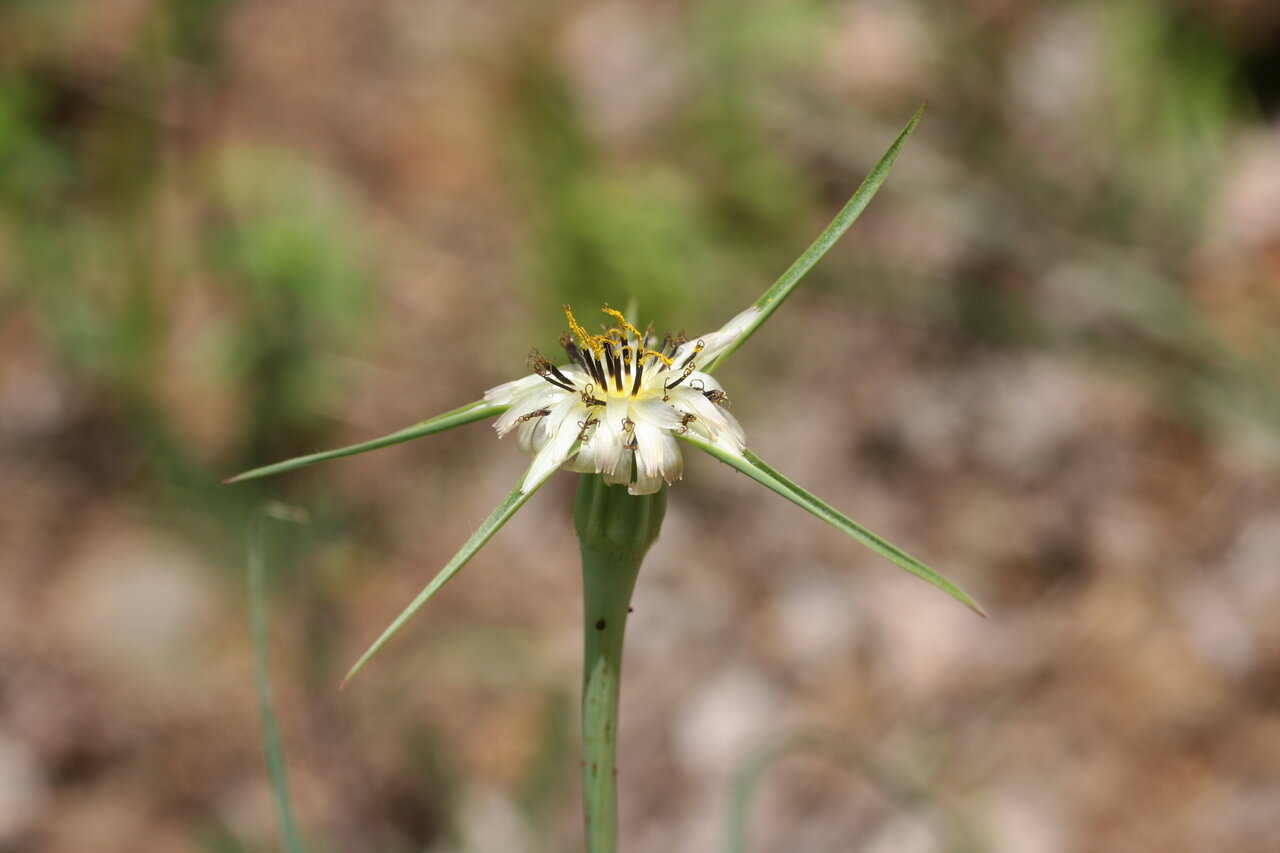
{"x":620,"y":398}
{"x":617,"y":409}
{"x":615,"y":412}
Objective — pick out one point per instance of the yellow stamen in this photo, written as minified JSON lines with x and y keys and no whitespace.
{"x":617,"y":334}
{"x":590,"y":342}
{"x":659,"y":356}
{"x":622,"y":321}
{"x":632,"y":330}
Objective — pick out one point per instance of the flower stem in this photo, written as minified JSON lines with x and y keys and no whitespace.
{"x":615,"y":530}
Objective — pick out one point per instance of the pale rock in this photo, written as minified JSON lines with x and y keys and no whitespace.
{"x":927,"y":640}
{"x":816,"y":620}
{"x":902,"y":835}
{"x":622,"y":66}
{"x":491,"y":823}
{"x":1056,"y":70}
{"x":1214,"y":626}
{"x":141,"y":604}
{"x":1031,"y":411}
{"x":1019,"y":819}
{"x":877,"y":48}
{"x":23,"y":789}
{"x":719,"y":724}
{"x":1245,"y":215}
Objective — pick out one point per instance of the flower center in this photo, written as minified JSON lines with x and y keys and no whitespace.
{"x":617,"y":360}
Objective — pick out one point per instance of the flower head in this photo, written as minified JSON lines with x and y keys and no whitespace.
{"x":622,"y":399}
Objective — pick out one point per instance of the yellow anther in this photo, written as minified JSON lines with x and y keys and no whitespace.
{"x":659,"y":356}
{"x":614,"y":334}
{"x":617,"y":334}
{"x":628,"y":329}
{"x":590,"y":342}
{"x":622,"y":321}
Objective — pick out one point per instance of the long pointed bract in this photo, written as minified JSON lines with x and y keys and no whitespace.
{"x":755,"y":468}
{"x":483,"y":534}
{"x":476,"y":411}
{"x":781,"y":289}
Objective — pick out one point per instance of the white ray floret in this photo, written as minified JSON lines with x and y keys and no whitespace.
{"x":619,"y":404}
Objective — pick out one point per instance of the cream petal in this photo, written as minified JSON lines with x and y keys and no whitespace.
{"x":714,"y":343}
{"x":507,"y":392}
{"x":613,"y":430}
{"x":585,"y":461}
{"x":609,"y":450}
{"x":732,"y":438}
{"x":657,"y":454}
{"x":616,"y":410}
{"x":710,"y":417}
{"x":536,"y":398}
{"x":620,"y":474}
{"x":578,"y":377}
{"x":700,"y":381}
{"x":562,"y":432}
{"x":610,"y":447}
{"x":654,"y":411}
{"x":532,"y":435}
{"x":714,"y":422}
{"x":645,"y":484}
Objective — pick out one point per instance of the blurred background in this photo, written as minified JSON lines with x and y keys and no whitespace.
{"x":1045,"y":361}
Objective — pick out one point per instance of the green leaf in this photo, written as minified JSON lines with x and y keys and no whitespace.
{"x":781,"y":289}
{"x":273,"y":749}
{"x":466,"y":414}
{"x":756,"y":469}
{"x":483,"y":534}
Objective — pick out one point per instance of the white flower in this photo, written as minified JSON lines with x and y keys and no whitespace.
{"x":620,"y":398}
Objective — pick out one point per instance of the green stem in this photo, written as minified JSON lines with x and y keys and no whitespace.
{"x":607,"y":585}
{"x":615,"y":530}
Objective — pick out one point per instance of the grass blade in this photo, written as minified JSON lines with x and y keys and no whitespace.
{"x":483,"y":534}
{"x":781,"y":289}
{"x":464,"y":415}
{"x":273,"y":749}
{"x":755,"y":468}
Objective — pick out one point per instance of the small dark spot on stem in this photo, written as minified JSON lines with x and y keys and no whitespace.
{"x":600,"y":623}
{"x":631,"y":610}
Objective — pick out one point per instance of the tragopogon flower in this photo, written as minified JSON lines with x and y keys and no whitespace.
{"x":617,"y":412}
{"x":622,"y":397}
{"x":620,"y":406}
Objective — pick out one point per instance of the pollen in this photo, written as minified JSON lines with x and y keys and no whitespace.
{"x":588,"y":341}
{"x":623,"y":342}
{"x":622,"y":322}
